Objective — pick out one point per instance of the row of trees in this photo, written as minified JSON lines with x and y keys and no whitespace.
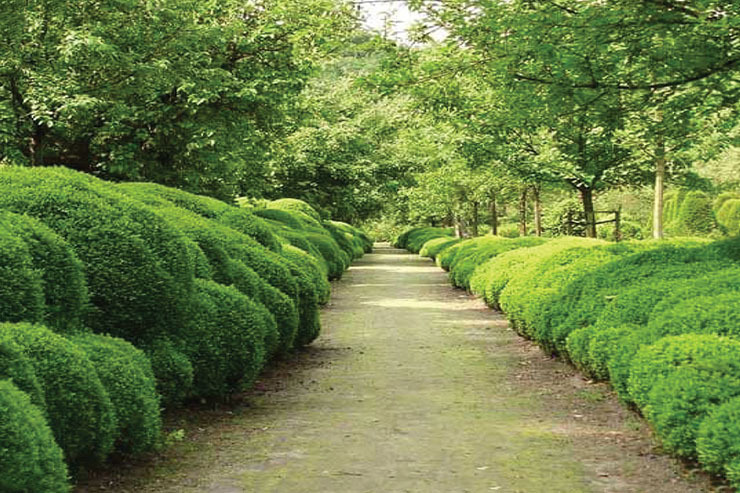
{"x":189,"y":93}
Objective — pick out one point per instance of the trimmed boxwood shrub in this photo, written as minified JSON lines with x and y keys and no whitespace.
{"x":78,"y":407}
{"x":225,"y":341}
{"x":466,"y":262}
{"x":30,"y":459}
{"x":703,"y":314}
{"x":435,"y":246}
{"x":492,"y":276}
{"x":728,"y":216}
{"x":21,"y":289}
{"x":594,"y":281}
{"x":63,"y":279}
{"x":298,"y":206}
{"x":139,"y":270}
{"x":414,"y":238}
{"x":313,"y":268}
{"x":15,"y":366}
{"x":283,"y":217}
{"x":336,"y":260}
{"x":679,"y":379}
{"x":718,"y":441}
{"x":126,"y":374}
{"x":232,"y":257}
{"x":172,"y":370}
{"x":230,"y":215}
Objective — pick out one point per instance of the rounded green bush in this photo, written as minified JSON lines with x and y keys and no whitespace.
{"x":15,"y":366}
{"x":173,"y":372}
{"x":679,"y":379}
{"x":703,"y":314}
{"x":237,"y":218}
{"x":62,"y":275}
{"x":435,"y":246}
{"x":718,"y":440}
{"x":225,"y":341}
{"x":467,"y":261}
{"x":445,"y":259}
{"x":139,"y":270}
{"x":694,"y":216}
{"x":79,"y":409}
{"x":313,"y":268}
{"x":728,"y":216}
{"x":30,"y":459}
{"x":285,"y":218}
{"x":296,"y":205}
{"x":233,"y":258}
{"x":126,"y":374}
{"x":21,"y":289}
{"x":336,"y":260}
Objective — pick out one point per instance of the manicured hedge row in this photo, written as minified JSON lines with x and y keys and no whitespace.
{"x":414,"y":239}
{"x":659,"y":320}
{"x":196,"y":294}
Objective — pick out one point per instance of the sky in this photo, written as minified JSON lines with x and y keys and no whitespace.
{"x":401,"y":17}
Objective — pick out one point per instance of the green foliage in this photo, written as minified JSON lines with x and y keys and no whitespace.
{"x":78,"y":407}
{"x":225,"y":341}
{"x":190,"y":94}
{"x":139,"y":270}
{"x":679,"y":380}
{"x":172,"y":369}
{"x":565,"y":218}
{"x":300,"y":207}
{"x":21,"y":292}
{"x":491,"y":277}
{"x":336,"y":260}
{"x":728,"y":216}
{"x":718,"y":441}
{"x":62,"y":276}
{"x":476,"y":251}
{"x":435,"y":246}
{"x":30,"y":459}
{"x":126,"y":374}
{"x":313,"y":268}
{"x":695,"y":215}
{"x":413,"y":239}
{"x":16,"y":367}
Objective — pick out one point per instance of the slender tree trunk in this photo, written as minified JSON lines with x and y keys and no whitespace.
{"x":587,"y":198}
{"x":459,"y":225}
{"x":523,"y":212}
{"x":474,"y":220}
{"x":537,"y":210}
{"x":493,"y":214}
{"x":660,"y":164}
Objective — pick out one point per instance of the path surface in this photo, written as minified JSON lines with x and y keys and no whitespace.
{"x":413,"y":387}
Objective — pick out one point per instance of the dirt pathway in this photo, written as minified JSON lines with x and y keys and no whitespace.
{"x":413,"y":387}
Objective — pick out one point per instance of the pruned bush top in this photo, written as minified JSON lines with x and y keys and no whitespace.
{"x":21,"y":289}
{"x":62,"y":275}
{"x":139,"y":269}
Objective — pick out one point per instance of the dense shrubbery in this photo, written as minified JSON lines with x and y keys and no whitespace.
{"x":30,"y":459}
{"x":126,"y":374}
{"x":206,"y":291}
{"x":435,"y":246}
{"x":78,"y":407}
{"x":659,"y":320}
{"x":415,"y":238}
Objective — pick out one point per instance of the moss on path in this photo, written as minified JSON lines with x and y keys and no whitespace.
{"x":415,"y":387}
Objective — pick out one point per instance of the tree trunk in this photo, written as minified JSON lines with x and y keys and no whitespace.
{"x":459,"y":226}
{"x":660,"y":163}
{"x":587,"y":198}
{"x":493,"y":214}
{"x":474,"y":220}
{"x":523,"y":212}
{"x":537,"y":210}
